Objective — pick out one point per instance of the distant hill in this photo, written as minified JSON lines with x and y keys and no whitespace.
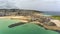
{"x":17,"y":12}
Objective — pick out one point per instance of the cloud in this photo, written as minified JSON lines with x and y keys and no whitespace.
{"x":43,"y":5}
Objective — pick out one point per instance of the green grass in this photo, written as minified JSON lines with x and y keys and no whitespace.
{"x":56,"y":17}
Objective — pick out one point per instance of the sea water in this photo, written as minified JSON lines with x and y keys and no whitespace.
{"x":28,"y":28}
{"x":54,"y":13}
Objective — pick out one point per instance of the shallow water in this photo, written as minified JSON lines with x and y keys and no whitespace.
{"x":28,"y":28}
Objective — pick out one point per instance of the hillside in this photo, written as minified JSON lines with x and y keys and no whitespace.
{"x":17,"y":12}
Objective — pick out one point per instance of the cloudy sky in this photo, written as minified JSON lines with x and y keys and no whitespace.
{"x":42,"y":5}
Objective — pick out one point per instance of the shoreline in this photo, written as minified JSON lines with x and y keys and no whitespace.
{"x":26,"y":19}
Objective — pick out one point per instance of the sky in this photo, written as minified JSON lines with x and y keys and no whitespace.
{"x":41,"y":5}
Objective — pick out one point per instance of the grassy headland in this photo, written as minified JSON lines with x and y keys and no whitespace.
{"x":56,"y":17}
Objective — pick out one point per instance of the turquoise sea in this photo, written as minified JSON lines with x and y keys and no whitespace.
{"x":28,"y":28}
